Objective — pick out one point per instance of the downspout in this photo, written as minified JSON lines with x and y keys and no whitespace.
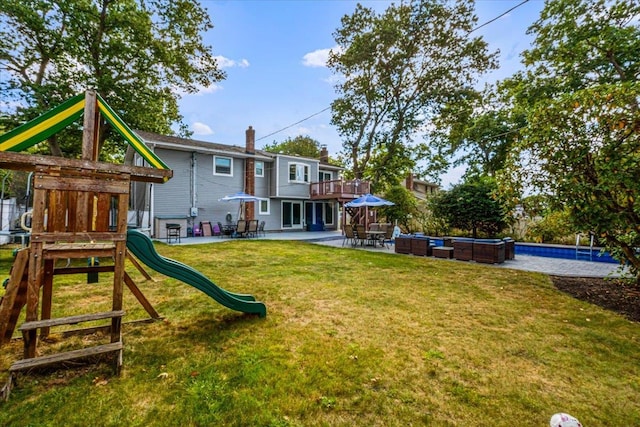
{"x":4,"y":180}
{"x":151,"y":205}
{"x":194,"y":175}
{"x":278,"y":176}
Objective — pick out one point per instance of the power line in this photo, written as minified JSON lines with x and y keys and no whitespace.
{"x":322,"y":111}
{"x":497,"y":17}
{"x":292,"y":125}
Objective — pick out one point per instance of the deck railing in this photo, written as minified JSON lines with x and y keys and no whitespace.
{"x":339,"y":189}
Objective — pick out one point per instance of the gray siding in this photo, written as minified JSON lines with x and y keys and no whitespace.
{"x":210,"y":188}
{"x":292,"y":189}
{"x":174,"y":196}
{"x":202,"y":189}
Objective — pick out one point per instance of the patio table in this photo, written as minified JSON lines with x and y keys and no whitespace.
{"x":229,"y":229}
{"x":375,"y":237}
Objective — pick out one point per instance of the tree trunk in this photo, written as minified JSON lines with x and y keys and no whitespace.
{"x":54,"y":147}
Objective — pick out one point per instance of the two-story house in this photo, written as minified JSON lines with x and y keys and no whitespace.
{"x":205,"y":172}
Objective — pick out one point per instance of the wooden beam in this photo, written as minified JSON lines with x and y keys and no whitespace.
{"x":140,"y":296}
{"x":51,"y":359}
{"x":30,"y":162}
{"x":90,"y":127}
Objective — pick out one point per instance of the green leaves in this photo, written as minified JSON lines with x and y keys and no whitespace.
{"x":138,"y":55}
{"x":304,"y":146}
{"x":472,"y":206}
{"x":398,"y":68}
{"x":582,"y":143}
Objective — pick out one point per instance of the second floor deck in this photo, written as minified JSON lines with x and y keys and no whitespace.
{"x":338,"y":189}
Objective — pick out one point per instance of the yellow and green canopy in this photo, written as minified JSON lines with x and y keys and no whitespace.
{"x":56,"y":119}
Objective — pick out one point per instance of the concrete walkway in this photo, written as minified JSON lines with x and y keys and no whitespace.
{"x":553,"y":266}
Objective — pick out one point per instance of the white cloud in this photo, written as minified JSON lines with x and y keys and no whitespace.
{"x":229,"y":63}
{"x":334,"y":79}
{"x":200,"y":128}
{"x":211,"y":89}
{"x":318,"y":58}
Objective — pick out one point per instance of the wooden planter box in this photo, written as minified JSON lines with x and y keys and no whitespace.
{"x":489,"y":251}
{"x":420,"y":246}
{"x":463,"y":249}
{"x":403,"y":245}
{"x":442,"y":251}
{"x":509,"y":248}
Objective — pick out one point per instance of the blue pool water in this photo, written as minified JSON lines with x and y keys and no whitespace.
{"x":564,"y":252}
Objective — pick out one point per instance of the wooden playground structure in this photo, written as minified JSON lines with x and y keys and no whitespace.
{"x":79,"y":211}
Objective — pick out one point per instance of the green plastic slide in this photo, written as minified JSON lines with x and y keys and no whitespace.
{"x":142,"y":247}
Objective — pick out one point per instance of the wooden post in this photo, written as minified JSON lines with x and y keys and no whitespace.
{"x":90,"y":127}
{"x":47,"y":295}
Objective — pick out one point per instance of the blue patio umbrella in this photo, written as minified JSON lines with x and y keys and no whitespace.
{"x":242,"y":197}
{"x":368,"y":200}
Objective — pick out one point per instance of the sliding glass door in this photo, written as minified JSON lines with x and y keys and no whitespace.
{"x":291,"y":214}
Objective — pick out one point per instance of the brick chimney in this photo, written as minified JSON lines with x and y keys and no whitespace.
{"x":250,"y":140}
{"x":250,"y":172}
{"x":324,"y":154}
{"x":409,"y":181}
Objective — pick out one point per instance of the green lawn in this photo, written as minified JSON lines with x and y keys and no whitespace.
{"x":350,"y":338}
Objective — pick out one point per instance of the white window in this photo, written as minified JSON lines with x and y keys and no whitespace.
{"x":264,"y":207}
{"x":325,"y":176}
{"x":298,"y":172}
{"x":259,"y":168}
{"x":222,"y":166}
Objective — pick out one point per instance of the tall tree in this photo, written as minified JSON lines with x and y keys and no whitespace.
{"x":304,"y":146}
{"x":472,"y":206}
{"x":404,"y":208}
{"x":139,"y":55}
{"x":582,"y":144}
{"x":477,"y":130}
{"x":398,"y":68}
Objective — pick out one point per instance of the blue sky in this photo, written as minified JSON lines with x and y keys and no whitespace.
{"x":273,"y":53}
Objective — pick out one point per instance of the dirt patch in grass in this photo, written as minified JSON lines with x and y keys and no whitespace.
{"x":613,"y":294}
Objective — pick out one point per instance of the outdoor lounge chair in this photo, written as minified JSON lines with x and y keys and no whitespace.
{"x":205,"y":228}
{"x":261,"y":228}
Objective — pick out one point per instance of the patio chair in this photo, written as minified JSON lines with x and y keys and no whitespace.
{"x":388,"y":239}
{"x":349,"y":235}
{"x":216,"y":229}
{"x":252,"y":228}
{"x":241,"y":228}
{"x":224,"y":231}
{"x":361,"y":234}
{"x":261,"y":228}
